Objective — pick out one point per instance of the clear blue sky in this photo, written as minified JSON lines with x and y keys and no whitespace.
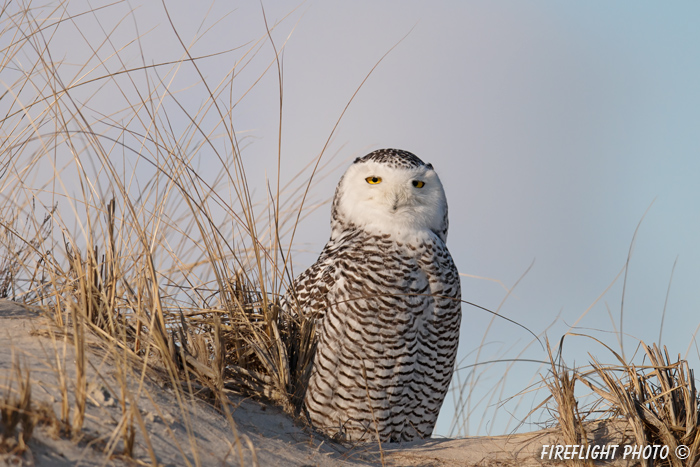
{"x":553,"y":125}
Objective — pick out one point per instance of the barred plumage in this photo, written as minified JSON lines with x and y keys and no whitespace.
{"x":386,"y":296}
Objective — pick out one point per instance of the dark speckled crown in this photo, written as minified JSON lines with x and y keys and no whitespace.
{"x":394,"y":158}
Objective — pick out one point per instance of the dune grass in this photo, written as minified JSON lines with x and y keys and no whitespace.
{"x":109,"y":225}
{"x":657,"y":400}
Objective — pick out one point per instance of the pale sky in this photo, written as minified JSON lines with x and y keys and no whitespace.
{"x":553,"y":126}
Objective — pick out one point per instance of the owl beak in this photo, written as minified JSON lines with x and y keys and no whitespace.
{"x":399,"y":199}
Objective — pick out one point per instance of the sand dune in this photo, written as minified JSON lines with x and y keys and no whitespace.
{"x":198,"y":433}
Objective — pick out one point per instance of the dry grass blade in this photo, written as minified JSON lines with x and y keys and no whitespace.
{"x":81,"y":377}
{"x":17,"y":417}
{"x":370,"y":404}
{"x":622,"y":401}
{"x":561,"y":386}
{"x":659,"y":401}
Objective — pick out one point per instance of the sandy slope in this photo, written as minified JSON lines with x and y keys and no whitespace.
{"x":199,"y":433}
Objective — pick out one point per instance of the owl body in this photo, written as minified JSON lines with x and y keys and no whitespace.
{"x":385,"y":294}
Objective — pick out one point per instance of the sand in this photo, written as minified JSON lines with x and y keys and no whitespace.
{"x":198,"y":433}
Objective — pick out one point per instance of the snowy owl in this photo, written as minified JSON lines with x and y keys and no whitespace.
{"x":385,"y":296}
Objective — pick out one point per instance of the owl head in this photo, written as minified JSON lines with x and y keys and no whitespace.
{"x":390,"y":191}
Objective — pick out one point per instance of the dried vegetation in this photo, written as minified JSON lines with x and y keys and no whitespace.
{"x":108,"y":224}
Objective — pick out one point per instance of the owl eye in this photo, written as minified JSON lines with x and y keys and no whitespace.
{"x":374,"y":180}
{"x":418,"y":184}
